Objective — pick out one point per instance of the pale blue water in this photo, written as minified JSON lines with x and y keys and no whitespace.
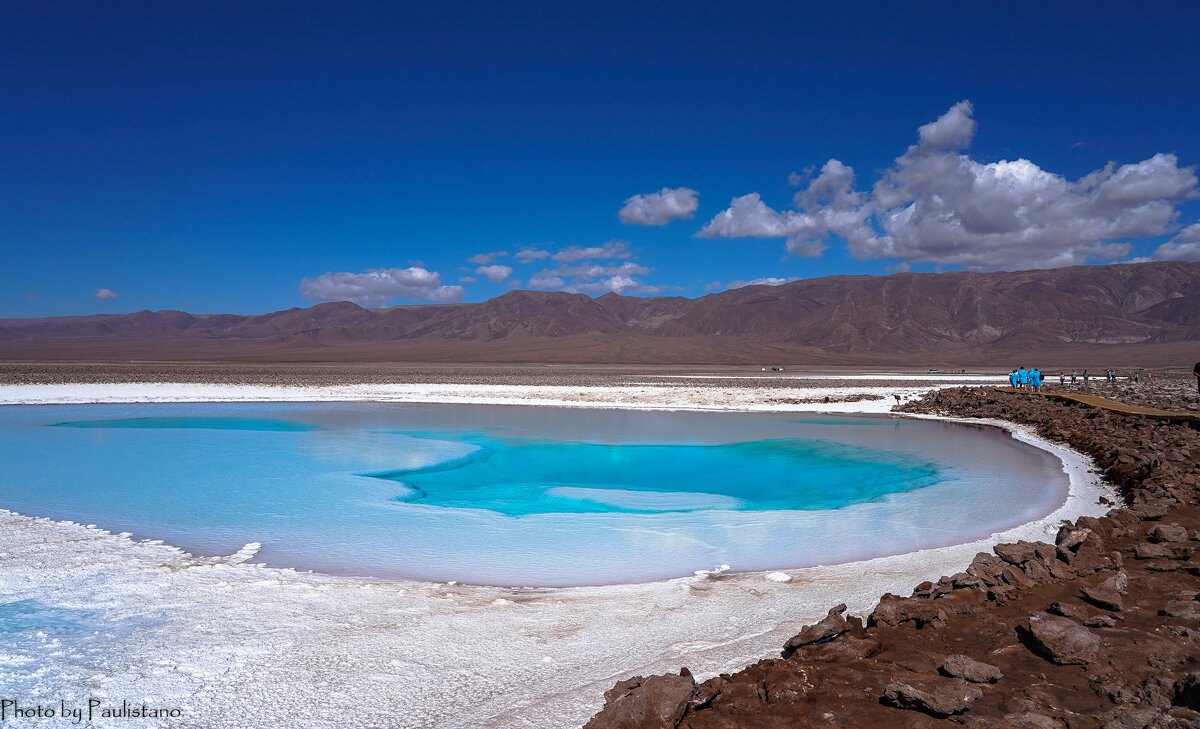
{"x":512,"y":495}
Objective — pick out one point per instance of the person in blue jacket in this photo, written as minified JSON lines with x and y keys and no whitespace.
{"x":1023,"y":378}
{"x":1035,"y":379}
{"x":1012,"y":378}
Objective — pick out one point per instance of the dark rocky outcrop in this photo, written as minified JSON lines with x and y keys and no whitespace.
{"x":656,"y":702}
{"x":1099,"y":630}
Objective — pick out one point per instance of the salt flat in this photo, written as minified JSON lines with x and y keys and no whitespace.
{"x":240,"y":645}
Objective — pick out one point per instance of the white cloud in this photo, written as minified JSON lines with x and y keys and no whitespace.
{"x":1183,"y":247}
{"x":952,"y":130}
{"x":494,"y":273}
{"x":937,"y":205}
{"x":377,"y":286}
{"x":541,"y":281}
{"x":482,"y":259}
{"x":594,"y":270}
{"x":611,"y":249}
{"x":466,"y":279}
{"x":595,"y":278}
{"x":104,"y":294}
{"x":525,"y":255}
{"x":768,"y":281}
{"x":659,"y":208}
{"x":614,"y":284}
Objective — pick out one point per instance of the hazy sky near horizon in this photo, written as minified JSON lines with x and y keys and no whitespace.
{"x":249,"y":157}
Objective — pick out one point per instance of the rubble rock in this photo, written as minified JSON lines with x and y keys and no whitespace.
{"x":1062,"y":640}
{"x":657,"y":702}
{"x":967,"y":668}
{"x":1168,"y":533}
{"x":938,"y":697}
{"x":831,"y":626}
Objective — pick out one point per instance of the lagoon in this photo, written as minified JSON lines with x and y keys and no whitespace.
{"x":512,"y":495}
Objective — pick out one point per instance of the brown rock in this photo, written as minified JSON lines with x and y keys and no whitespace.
{"x":1092,"y":556}
{"x":959,"y":602}
{"x":1107,"y":594}
{"x":1036,"y":571}
{"x":848,"y":648}
{"x":1016,"y":554}
{"x":1187,"y":609}
{"x":893,"y":610}
{"x":1070,"y":537}
{"x":1162,"y":551}
{"x":1143,"y":718}
{"x":971,"y":670}
{"x":986,"y":568}
{"x":657,"y":702}
{"x":1031,"y":720}
{"x":1168,"y":533}
{"x":1015,"y":577}
{"x":936,"y":697}
{"x":1152,"y":509}
{"x":788,"y":688}
{"x":831,"y":626}
{"x":1067,"y":611}
{"x":1061,"y":640}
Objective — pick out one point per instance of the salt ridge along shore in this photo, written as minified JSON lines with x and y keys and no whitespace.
{"x":858,"y":399}
{"x":237,"y":644}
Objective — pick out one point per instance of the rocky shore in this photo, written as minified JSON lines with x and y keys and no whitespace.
{"x":1099,"y":629}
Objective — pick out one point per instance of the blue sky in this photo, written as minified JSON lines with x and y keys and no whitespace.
{"x":249,"y":157}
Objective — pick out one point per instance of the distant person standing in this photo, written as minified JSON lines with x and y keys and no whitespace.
{"x":1035,"y":379}
{"x":1012,"y":378}
{"x":1072,"y":378}
{"x":1085,"y":378}
{"x":1023,"y":378}
{"x":1061,"y":379}
{"x":1196,"y":372}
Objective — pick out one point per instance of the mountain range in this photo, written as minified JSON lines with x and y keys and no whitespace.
{"x":1128,"y":312}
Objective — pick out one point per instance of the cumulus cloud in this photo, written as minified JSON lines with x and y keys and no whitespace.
{"x":659,"y":208}
{"x":546,"y":281}
{"x":768,"y":281}
{"x":104,"y":294}
{"x":595,"y":278}
{"x":614,"y":284}
{"x":594,"y":270}
{"x":611,"y":249}
{"x":482,"y":259}
{"x":936,"y":204}
{"x":494,"y":273}
{"x":525,"y":255}
{"x":377,"y":286}
{"x":1183,"y":247}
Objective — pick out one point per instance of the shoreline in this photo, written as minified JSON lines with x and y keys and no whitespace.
{"x":1093,"y":629}
{"x":762,"y":607}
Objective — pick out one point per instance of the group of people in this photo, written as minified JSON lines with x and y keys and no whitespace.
{"x":1031,"y":379}
{"x":1026,"y":379}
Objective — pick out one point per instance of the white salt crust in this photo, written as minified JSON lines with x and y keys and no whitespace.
{"x":236,"y":644}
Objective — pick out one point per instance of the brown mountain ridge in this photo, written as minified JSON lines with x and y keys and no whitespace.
{"x":1132,"y":310}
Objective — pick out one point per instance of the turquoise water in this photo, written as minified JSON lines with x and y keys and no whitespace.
{"x":526,"y":476}
{"x":511,"y":495}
